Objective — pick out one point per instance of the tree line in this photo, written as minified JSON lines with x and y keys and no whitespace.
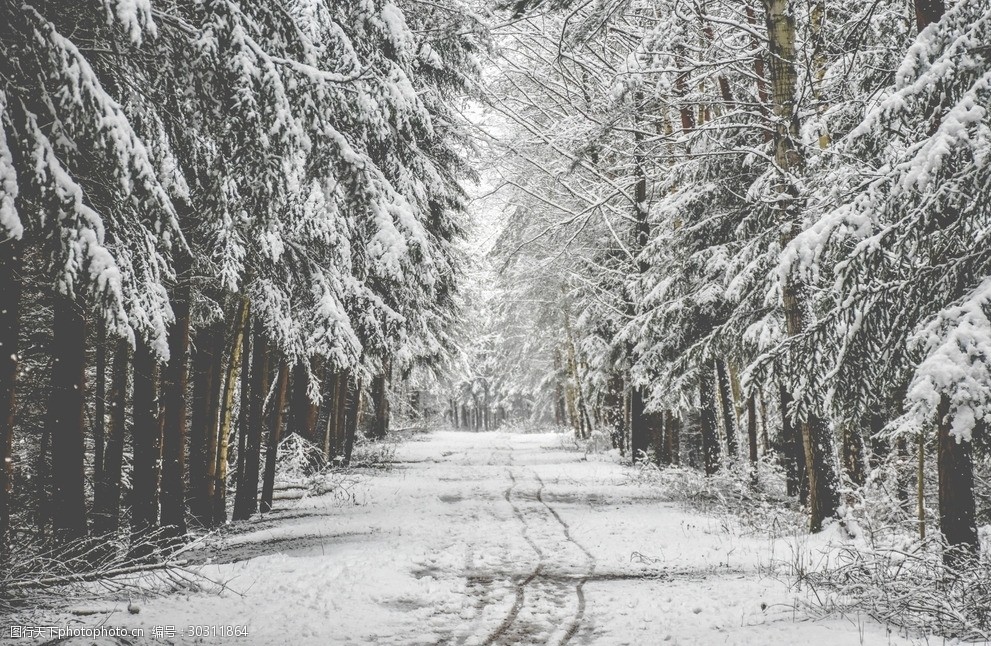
{"x":220,"y":221}
{"x":753,"y":228}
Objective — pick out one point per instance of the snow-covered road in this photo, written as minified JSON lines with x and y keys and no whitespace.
{"x":494,"y":538}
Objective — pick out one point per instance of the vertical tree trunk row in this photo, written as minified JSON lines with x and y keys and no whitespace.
{"x":246,"y":496}
{"x":174,"y":415}
{"x":274,"y":436}
{"x":147,"y":444}
{"x":10,"y":311}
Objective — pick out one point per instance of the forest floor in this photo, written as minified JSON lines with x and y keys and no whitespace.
{"x":490,"y":538}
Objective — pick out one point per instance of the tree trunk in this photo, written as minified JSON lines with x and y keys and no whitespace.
{"x":673,"y":437}
{"x":823,"y":486}
{"x":303,"y":411}
{"x":246,"y":497}
{"x":352,"y":399}
{"x":174,"y":413}
{"x":853,"y":453}
{"x":207,"y":367}
{"x":240,"y":350}
{"x":957,"y":509}
{"x":380,"y":405}
{"x":100,"y":404}
{"x":796,"y":477}
{"x":638,"y":426}
{"x":65,"y":420}
{"x":707,"y":406}
{"x":901,"y":486}
{"x":664,"y":438}
{"x":331,"y":405}
{"x":274,"y":436}
{"x":106,"y":497}
{"x":729,"y":418}
{"x":752,"y":437}
{"x":10,"y":311}
{"x":613,"y":403}
{"x":147,"y":443}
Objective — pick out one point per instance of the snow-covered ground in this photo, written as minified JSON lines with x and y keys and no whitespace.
{"x":494,"y":538}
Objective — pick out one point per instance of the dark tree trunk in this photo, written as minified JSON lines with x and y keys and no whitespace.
{"x":707,"y":405}
{"x":380,"y":405}
{"x":174,"y":414}
{"x":240,"y":352}
{"x":100,"y":405}
{"x":10,"y":311}
{"x":106,"y":498}
{"x":246,"y":497}
{"x":614,"y":414}
{"x":673,"y":437}
{"x":303,"y":412}
{"x":65,"y":420}
{"x":664,"y":438}
{"x":274,"y":436}
{"x":752,"y":437}
{"x":205,"y":416}
{"x":331,"y":383}
{"x":147,"y":443}
{"x":340,"y":415}
{"x":853,"y":453}
{"x":729,"y":418}
{"x":638,"y":426}
{"x":352,"y":402}
{"x":795,"y":473}
{"x":957,"y":509}
{"x":902,"y":484}
{"x":824,"y":498}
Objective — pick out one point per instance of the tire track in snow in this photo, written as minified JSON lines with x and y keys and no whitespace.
{"x":580,"y":585}
{"x":480,"y":587}
{"x":522,"y":584}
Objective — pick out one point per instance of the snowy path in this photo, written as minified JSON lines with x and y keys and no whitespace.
{"x":498,"y":539}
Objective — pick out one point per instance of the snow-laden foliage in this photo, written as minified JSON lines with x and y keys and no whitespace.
{"x":300,"y":153}
{"x":896,"y":237}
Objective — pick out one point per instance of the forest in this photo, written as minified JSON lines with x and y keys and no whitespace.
{"x":745,"y":239}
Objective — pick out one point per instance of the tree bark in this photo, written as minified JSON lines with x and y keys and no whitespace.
{"x":707,"y":406}
{"x":100,"y":403}
{"x":673,"y":437}
{"x":729,"y":418}
{"x":957,"y":508}
{"x":823,"y":486}
{"x":331,"y":405}
{"x":147,"y":443}
{"x":639,"y":432}
{"x":205,"y":415}
{"x":174,"y":414}
{"x":303,"y":411}
{"x":240,"y":351}
{"x":66,"y":406}
{"x":353,"y":400}
{"x":246,"y":497}
{"x":106,"y":498}
{"x":664,"y":438}
{"x":10,"y":312}
{"x":752,"y":437}
{"x":274,"y":436}
{"x":853,"y":453}
{"x":380,"y":404}
{"x":796,"y":478}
